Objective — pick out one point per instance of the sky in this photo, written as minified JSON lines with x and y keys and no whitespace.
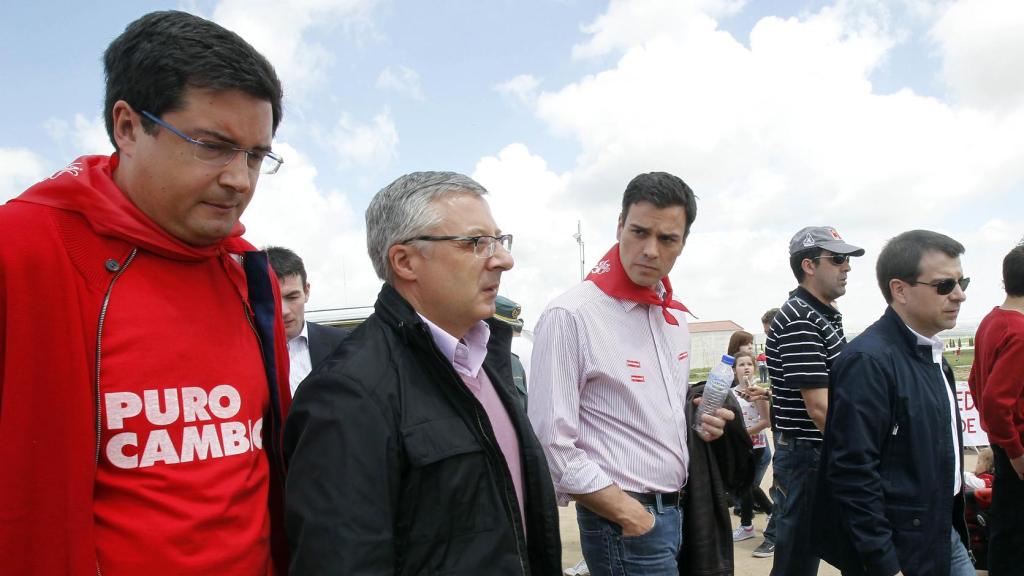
{"x":874,"y":117}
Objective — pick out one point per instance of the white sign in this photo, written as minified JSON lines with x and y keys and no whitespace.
{"x":970,"y":421}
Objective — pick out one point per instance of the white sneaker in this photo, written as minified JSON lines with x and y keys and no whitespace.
{"x":580,"y":569}
{"x":742,"y":533}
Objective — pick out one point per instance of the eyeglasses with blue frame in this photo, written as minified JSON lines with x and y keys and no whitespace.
{"x":222,"y":153}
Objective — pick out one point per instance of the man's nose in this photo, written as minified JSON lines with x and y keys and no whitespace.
{"x":502,"y":259}
{"x":237,"y":176}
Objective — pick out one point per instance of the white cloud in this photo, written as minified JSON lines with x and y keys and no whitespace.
{"x":280,"y":31}
{"x":783,"y":134}
{"x":19,"y":169}
{"x":402,"y":79}
{"x":521,"y":88}
{"x":373,"y":144}
{"x":527,"y":200}
{"x":627,"y":23}
{"x":983,"y":52}
{"x":80,"y":137}
{"x":292,"y":209}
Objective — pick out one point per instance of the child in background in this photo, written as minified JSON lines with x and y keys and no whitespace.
{"x":754,"y":405}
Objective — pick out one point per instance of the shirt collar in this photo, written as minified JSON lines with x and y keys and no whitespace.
{"x":935,"y":343}
{"x":826,"y":310}
{"x":302,"y":336}
{"x":466,"y":355}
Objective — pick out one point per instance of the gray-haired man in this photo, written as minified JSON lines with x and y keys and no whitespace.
{"x":408,"y":453}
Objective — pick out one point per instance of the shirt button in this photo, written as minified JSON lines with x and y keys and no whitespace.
{"x":916,"y":522}
{"x":112,"y":265}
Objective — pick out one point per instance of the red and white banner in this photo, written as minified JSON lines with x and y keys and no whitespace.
{"x":969,"y":419}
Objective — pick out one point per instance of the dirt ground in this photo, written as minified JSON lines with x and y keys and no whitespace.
{"x":746,"y":565}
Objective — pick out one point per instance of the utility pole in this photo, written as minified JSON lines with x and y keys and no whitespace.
{"x":579,"y":240}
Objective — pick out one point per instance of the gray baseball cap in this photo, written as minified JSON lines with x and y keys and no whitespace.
{"x":822,"y":237}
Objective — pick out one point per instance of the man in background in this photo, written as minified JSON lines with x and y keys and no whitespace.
{"x":309,"y":343}
{"x":997,"y":383}
{"x":805,"y":338}
{"x":508,"y":312}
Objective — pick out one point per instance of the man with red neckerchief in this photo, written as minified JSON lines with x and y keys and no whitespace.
{"x":609,"y":382}
{"x":143,"y":368}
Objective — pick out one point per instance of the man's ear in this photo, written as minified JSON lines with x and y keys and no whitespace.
{"x":403,"y":259}
{"x":305,"y":290}
{"x":127,"y":127}
{"x":618,"y":228}
{"x":898,"y":289}
{"x":808,"y":266}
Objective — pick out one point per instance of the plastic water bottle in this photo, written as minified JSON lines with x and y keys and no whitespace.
{"x":716,"y":389}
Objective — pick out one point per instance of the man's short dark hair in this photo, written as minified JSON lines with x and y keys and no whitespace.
{"x":769,"y":316}
{"x":796,"y":261}
{"x":662,"y":190}
{"x":158,"y":56}
{"x":1013,"y":271}
{"x":900,"y":259}
{"x":286,"y":263}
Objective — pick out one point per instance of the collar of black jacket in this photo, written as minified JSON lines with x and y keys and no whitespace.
{"x":395,"y":311}
{"x":898,"y":326}
{"x":824,"y":309}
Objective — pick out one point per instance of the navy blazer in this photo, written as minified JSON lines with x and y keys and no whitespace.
{"x":322,"y":341}
{"x":885,"y":495}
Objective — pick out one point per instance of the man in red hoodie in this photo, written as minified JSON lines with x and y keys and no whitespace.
{"x":143,"y":371}
{"x":997,"y":383}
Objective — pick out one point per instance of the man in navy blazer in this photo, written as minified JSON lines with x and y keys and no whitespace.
{"x":309,"y":344}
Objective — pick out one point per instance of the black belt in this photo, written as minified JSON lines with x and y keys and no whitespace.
{"x":668,"y":499}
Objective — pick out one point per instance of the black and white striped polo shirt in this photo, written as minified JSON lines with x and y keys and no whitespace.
{"x":804,"y":341}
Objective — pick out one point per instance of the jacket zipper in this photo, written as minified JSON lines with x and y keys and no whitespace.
{"x":99,"y":362}
{"x":512,"y":508}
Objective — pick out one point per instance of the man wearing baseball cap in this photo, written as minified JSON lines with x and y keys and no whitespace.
{"x":804,"y":340}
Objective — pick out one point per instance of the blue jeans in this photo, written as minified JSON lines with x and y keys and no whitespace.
{"x":960,"y":564}
{"x":796,"y":477}
{"x":609,"y":553}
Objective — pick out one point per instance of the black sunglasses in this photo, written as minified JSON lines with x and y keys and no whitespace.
{"x":946,"y":286}
{"x":837,"y":259}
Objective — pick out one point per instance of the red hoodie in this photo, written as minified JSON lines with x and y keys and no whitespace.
{"x":139,"y":377}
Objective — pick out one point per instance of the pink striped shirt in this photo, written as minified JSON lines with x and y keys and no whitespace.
{"x":608,"y":386}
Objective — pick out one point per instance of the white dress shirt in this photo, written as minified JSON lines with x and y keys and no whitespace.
{"x":938,"y":347}
{"x":299,"y":362}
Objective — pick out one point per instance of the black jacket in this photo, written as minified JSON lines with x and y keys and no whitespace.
{"x":885,"y":499}
{"x":394,"y":467}
{"x":715,"y":468}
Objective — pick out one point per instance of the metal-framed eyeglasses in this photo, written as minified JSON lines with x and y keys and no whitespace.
{"x":946,"y":285}
{"x":837,"y":259}
{"x":483,"y":246}
{"x":222,"y":153}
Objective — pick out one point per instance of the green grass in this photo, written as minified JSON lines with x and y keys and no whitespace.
{"x":961,"y":368}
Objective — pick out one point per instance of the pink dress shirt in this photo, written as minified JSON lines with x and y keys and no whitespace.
{"x":467,"y":356}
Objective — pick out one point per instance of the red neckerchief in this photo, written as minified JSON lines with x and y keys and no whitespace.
{"x":609,"y":276}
